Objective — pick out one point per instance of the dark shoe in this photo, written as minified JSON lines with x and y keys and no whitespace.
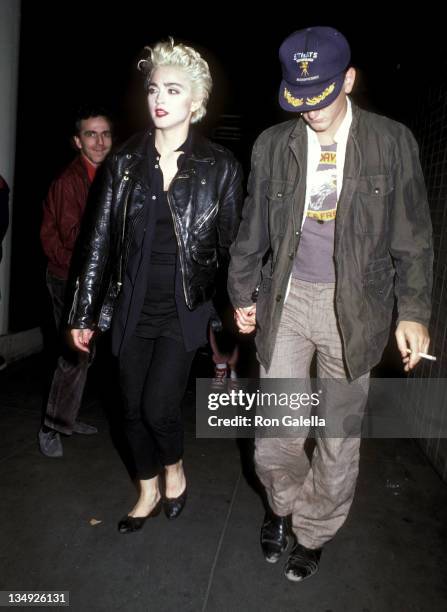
{"x":50,"y":443}
{"x":83,"y":428}
{"x":302,"y":563}
{"x":133,"y":523}
{"x":174,"y":505}
{"x":275,"y":534}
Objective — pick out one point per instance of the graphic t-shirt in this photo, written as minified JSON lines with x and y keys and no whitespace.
{"x":314,"y":261}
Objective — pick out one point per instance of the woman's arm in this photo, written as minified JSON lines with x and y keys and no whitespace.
{"x":94,"y":254}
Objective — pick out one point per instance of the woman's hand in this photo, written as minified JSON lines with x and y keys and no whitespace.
{"x":246,"y":319}
{"x":80,"y":339}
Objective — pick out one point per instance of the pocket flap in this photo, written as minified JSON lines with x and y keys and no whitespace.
{"x":377,"y":185}
{"x":279,"y":190}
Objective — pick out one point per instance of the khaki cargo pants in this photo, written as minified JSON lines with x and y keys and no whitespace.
{"x":317,"y":493}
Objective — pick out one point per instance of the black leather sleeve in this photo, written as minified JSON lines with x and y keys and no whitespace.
{"x":230,"y":208}
{"x":94,"y":255}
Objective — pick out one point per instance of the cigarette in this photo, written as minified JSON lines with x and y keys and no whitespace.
{"x":424,"y":355}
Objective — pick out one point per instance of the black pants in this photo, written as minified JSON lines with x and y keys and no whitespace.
{"x":153,"y":377}
{"x":70,"y":376}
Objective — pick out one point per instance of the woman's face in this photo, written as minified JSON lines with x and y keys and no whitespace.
{"x":170,"y":98}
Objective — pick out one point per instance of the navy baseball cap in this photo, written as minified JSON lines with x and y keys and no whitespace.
{"x":314,"y":62}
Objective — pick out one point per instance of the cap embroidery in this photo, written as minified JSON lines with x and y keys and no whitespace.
{"x":291,"y":99}
{"x":296,"y":102}
{"x":304,"y":68}
{"x":317,"y":99}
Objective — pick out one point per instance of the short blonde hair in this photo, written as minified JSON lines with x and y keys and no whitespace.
{"x":179,"y":55}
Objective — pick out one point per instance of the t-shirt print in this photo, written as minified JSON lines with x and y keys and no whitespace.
{"x":323,"y":197}
{"x":314,"y":261}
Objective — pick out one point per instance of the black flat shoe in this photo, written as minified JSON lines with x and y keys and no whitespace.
{"x":275,"y":536}
{"x":302,"y":563}
{"x":172,"y":506}
{"x":133,"y":523}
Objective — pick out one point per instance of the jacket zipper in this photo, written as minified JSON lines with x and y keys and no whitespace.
{"x":132,"y":226}
{"x":182,"y":265}
{"x":75,"y":301}
{"x":179,"y":175}
{"x":206,"y":217}
{"x":120,"y":268}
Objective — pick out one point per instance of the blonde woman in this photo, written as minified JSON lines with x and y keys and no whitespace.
{"x":168,"y":212}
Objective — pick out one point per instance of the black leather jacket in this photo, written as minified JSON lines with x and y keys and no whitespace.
{"x":205,"y":198}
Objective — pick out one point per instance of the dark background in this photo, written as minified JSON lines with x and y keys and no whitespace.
{"x":77,"y":52}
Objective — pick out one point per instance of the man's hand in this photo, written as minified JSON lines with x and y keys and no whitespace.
{"x":80,"y":339}
{"x":246,"y":319}
{"x":413,"y":336}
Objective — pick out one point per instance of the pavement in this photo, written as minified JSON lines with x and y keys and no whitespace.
{"x":59,"y":521}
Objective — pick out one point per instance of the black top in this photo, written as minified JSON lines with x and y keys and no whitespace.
{"x":159,"y":315}
{"x":164,"y":240}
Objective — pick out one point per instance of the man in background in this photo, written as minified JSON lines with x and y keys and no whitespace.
{"x":62,"y":216}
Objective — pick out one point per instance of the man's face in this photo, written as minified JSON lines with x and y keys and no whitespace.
{"x":327,"y":120}
{"x":94,"y":139}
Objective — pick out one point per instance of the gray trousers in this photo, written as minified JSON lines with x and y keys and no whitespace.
{"x":70,"y":376}
{"x":317,"y":493}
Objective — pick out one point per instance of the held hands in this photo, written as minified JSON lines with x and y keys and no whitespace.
{"x":246,"y":319}
{"x":80,"y":339}
{"x":412,"y":338}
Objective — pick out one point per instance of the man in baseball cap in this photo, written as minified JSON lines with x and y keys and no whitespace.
{"x":314,"y":63}
{"x":317,"y":79}
{"x":336,"y":208}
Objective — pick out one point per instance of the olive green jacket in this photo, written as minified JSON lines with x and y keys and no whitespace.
{"x":383,"y":236}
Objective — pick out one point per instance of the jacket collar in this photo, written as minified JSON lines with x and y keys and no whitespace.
{"x":199,"y":149}
{"x":356,"y":111}
{"x":299,"y":130}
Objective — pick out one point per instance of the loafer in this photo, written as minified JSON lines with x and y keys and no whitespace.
{"x":275,"y":535}
{"x":82,"y":428}
{"x":302,"y":562}
{"x":50,"y":443}
{"x":173,"y":506}
{"x":128,"y":524}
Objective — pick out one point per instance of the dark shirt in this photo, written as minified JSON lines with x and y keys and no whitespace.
{"x":164,"y":240}
{"x":159,"y":315}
